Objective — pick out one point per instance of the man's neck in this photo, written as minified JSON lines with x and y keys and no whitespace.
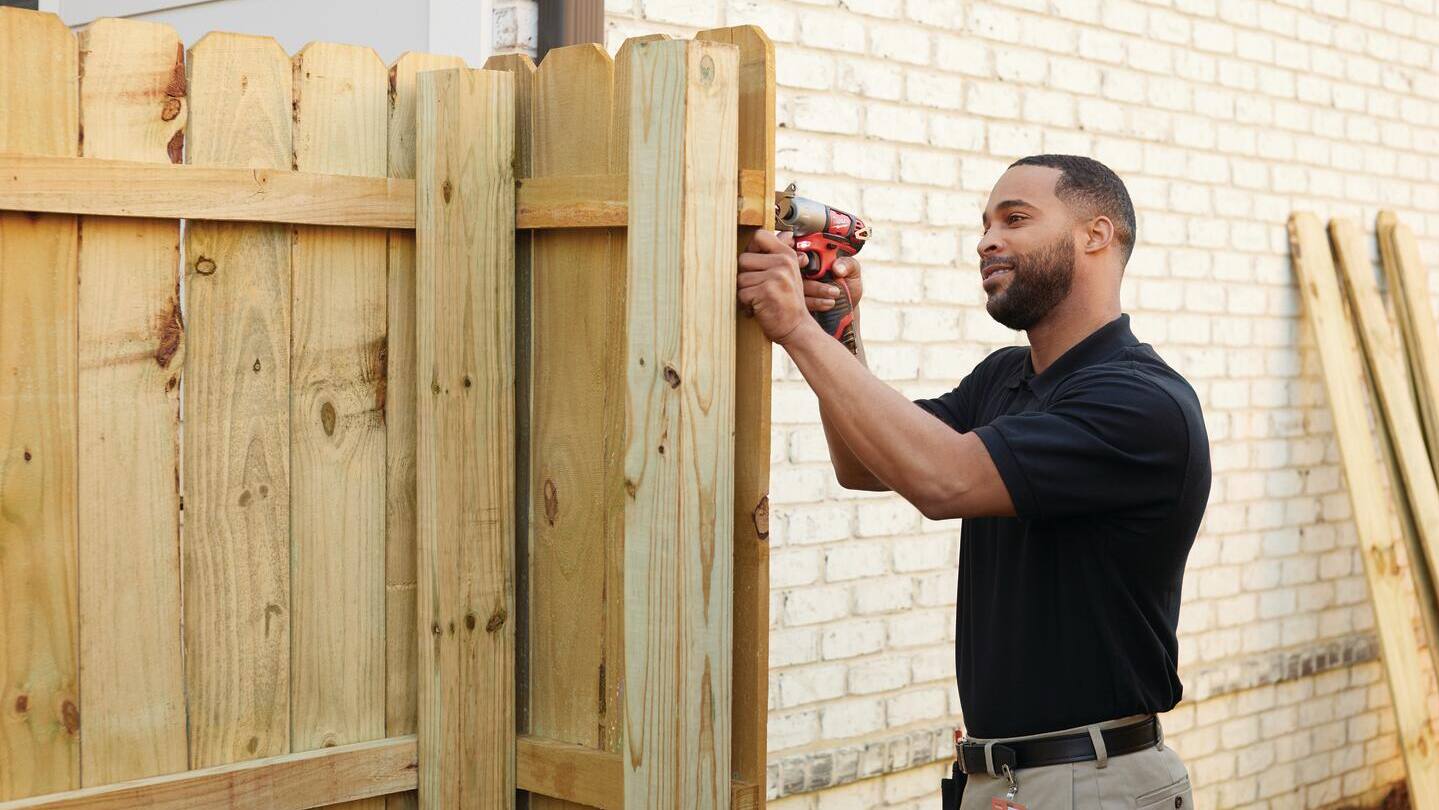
{"x":1066,"y":325}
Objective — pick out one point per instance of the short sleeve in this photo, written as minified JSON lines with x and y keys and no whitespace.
{"x":954,"y":408}
{"x":1111,"y":440}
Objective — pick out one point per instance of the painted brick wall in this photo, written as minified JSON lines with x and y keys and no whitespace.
{"x":1222,"y":116}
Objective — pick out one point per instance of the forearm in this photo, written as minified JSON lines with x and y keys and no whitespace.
{"x":850,"y":471}
{"x":896,"y":442}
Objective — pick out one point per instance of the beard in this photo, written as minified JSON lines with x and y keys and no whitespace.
{"x":1037,"y":283}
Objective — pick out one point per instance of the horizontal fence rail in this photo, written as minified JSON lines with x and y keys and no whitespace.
{"x":117,"y":188}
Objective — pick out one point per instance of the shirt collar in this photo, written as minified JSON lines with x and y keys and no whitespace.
{"x":1099,"y":345}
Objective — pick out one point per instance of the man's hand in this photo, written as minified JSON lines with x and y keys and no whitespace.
{"x":772,"y":289}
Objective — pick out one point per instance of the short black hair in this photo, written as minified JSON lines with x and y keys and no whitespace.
{"x":1091,"y":188}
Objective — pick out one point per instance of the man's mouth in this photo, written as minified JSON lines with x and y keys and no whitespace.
{"x":993,"y":270}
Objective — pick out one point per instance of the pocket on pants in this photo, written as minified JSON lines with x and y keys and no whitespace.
{"x":1177,"y":796}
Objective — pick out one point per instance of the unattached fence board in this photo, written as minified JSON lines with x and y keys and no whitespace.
{"x":680,"y":409}
{"x":1375,"y":515}
{"x":401,"y":644}
{"x":236,"y":554}
{"x":132,"y":687}
{"x":39,"y":666}
{"x":337,"y":425}
{"x":1409,"y":293}
{"x":465,"y":428}
{"x":1412,"y":482}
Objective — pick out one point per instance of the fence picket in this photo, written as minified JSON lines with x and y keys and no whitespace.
{"x":401,"y":644}
{"x":236,"y":551}
{"x":679,"y":518}
{"x":337,"y":427}
{"x":522,"y":70}
{"x":131,"y":337}
{"x":464,"y":294}
{"x":578,"y":308}
{"x":753,"y":357}
{"x":39,"y":732}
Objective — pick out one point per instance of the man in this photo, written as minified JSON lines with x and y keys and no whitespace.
{"x":1081,"y":466}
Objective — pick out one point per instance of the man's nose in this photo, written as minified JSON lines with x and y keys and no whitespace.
{"x":988,"y":244}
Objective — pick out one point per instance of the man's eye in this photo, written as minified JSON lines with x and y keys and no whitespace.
{"x":1012,"y":218}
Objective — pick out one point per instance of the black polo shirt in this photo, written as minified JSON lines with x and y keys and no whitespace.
{"x":1067,"y":612}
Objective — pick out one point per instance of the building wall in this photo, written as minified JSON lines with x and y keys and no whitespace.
{"x":1223,"y":116}
{"x":390,"y":28}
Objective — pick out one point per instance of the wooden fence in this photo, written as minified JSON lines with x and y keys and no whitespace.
{"x":439,"y":474}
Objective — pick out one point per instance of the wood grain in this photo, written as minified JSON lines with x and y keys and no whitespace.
{"x":1409,"y":294}
{"x":130,"y":189}
{"x":40,"y":718}
{"x":577,"y":311}
{"x":522,"y":70}
{"x":465,"y":428}
{"x":753,"y":356}
{"x":337,"y":421}
{"x":679,"y":518}
{"x":580,"y":775}
{"x":1375,"y":515}
{"x":236,"y":553}
{"x":1399,"y":425}
{"x":285,"y":782}
{"x":401,"y":644}
{"x":131,"y":353}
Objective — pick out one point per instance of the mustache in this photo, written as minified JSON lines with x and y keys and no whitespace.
{"x":991,"y":261}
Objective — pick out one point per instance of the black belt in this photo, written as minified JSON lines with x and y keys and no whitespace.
{"x":1076,"y":747}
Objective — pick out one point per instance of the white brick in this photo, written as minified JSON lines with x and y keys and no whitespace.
{"x":826,"y":114}
{"x":904,"y":43}
{"x":846,"y":562}
{"x":837,"y":33}
{"x":882,"y":595}
{"x":805,"y":685}
{"x":926,"y":705}
{"x":852,"y":639}
{"x":850,"y":718}
{"x":879,"y":675}
{"x":804,"y":606}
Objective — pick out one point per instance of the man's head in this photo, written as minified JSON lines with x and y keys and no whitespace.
{"x":1053,"y":221}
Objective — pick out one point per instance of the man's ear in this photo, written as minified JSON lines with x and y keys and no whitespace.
{"x":1099,"y":234}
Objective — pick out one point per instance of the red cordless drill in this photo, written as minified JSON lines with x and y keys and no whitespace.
{"x":821,"y":235}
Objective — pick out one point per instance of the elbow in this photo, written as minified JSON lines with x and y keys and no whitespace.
{"x":941,"y":504}
{"x":863,"y":481}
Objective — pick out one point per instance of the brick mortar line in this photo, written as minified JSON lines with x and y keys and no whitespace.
{"x":818,"y":770}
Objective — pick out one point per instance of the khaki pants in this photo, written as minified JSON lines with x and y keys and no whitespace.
{"x":1148,"y":779}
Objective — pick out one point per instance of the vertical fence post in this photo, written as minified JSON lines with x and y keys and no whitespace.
{"x":679,"y":454}
{"x":464,"y":301}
